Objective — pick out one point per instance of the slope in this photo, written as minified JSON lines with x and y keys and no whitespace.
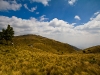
{"x":94,"y":49}
{"x":32,"y":42}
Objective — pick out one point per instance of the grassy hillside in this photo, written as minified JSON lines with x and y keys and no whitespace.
{"x":36,"y":55}
{"x":42,"y":43}
{"x":94,"y":49}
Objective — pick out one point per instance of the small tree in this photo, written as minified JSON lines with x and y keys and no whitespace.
{"x":1,"y":37}
{"x":8,"y":33}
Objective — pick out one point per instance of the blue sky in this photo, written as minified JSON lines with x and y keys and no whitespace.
{"x":76,"y":22}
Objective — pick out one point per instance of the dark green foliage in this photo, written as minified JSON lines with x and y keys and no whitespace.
{"x":1,"y":36}
{"x":7,"y":34}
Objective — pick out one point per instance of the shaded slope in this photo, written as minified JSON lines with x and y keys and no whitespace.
{"x":45,"y":44}
{"x":94,"y":49}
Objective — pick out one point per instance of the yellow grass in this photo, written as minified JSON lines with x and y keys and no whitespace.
{"x":43,"y":58}
{"x":38,"y":62}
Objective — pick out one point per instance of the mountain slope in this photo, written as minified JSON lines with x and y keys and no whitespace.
{"x":94,"y":49}
{"x":42,"y":43}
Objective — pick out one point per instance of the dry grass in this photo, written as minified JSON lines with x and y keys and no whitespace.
{"x":94,"y":49}
{"x":43,"y":59}
{"x":38,"y":62}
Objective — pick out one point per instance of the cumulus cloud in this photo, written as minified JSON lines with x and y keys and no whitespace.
{"x":81,"y":36}
{"x":44,"y":2}
{"x":31,"y":10}
{"x":77,"y":17}
{"x":92,"y":26}
{"x":71,"y":2}
{"x":9,"y":5}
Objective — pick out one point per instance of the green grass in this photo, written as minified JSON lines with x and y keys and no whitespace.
{"x":35,"y":55}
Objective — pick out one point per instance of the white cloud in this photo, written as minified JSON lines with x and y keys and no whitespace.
{"x":31,"y":10}
{"x":92,"y":26}
{"x":59,"y":23}
{"x":82,"y":36}
{"x":77,"y":17}
{"x":42,"y":18}
{"x":9,"y":5}
{"x":44,"y":2}
{"x":71,"y":2}
{"x":94,"y":15}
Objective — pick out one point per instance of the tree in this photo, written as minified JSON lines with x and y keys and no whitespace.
{"x":1,"y":36}
{"x":8,"y":33}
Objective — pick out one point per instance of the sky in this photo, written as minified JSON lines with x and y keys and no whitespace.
{"x":76,"y":22}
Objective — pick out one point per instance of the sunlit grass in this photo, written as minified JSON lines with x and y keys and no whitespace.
{"x":37,"y":62}
{"x":40,"y":58}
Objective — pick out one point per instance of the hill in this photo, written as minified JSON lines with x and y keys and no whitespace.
{"x":94,"y":49}
{"x":38,"y":42}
